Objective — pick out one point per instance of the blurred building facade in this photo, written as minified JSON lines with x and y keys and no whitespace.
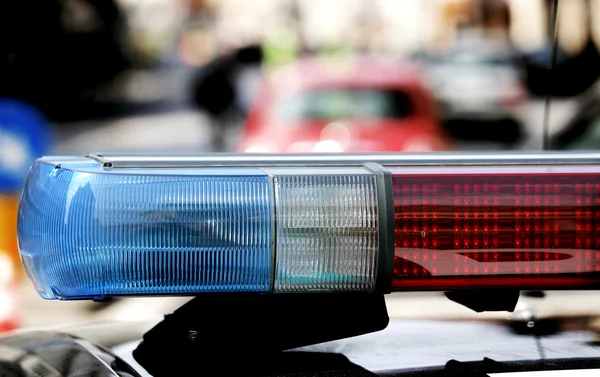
{"x":400,"y":26}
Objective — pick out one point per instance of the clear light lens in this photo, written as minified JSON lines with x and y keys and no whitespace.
{"x":327,"y":233}
{"x":87,"y":234}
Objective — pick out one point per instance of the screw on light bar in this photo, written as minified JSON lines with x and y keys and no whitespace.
{"x":178,"y":225}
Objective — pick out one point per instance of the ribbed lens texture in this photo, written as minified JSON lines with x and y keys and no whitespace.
{"x":87,"y":235}
{"x":327,"y":233}
{"x":522,"y":229}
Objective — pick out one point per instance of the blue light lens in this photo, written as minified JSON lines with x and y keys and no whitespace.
{"x":86,"y":233}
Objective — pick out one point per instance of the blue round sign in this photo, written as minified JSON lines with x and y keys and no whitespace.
{"x":24,"y":136}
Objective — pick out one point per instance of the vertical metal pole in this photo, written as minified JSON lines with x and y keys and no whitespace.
{"x":549,"y":76}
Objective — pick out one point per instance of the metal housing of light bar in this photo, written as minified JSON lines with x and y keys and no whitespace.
{"x":405,"y":159}
{"x":336,"y":185}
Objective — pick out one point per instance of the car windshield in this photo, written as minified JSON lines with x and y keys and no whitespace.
{"x":346,"y":103}
{"x":287,"y":77}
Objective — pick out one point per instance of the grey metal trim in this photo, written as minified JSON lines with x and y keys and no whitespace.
{"x":274,"y":199}
{"x":306,"y":171}
{"x":386,"y":159}
{"x":385,"y":208}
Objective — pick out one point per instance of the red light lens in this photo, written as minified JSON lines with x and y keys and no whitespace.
{"x":523,"y":227}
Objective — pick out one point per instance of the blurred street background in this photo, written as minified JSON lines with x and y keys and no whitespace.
{"x":81,"y":76}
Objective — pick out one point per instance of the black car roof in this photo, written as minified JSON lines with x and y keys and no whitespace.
{"x":413,"y":346}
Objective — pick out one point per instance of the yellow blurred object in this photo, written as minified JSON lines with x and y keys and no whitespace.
{"x":8,"y":230}
{"x":281,"y":48}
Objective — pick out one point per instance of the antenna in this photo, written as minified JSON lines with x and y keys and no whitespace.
{"x":551,"y":65}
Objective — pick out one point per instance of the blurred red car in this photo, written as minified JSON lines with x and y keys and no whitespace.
{"x":352,"y":105}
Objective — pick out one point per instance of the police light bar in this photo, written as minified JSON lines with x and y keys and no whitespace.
{"x":107,"y":225}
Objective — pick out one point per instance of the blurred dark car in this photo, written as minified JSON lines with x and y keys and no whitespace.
{"x":582,"y":132}
{"x":349,"y":105}
{"x":479,"y":79}
{"x":479,"y":87}
{"x":410,"y":348}
{"x":56,"y":55}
